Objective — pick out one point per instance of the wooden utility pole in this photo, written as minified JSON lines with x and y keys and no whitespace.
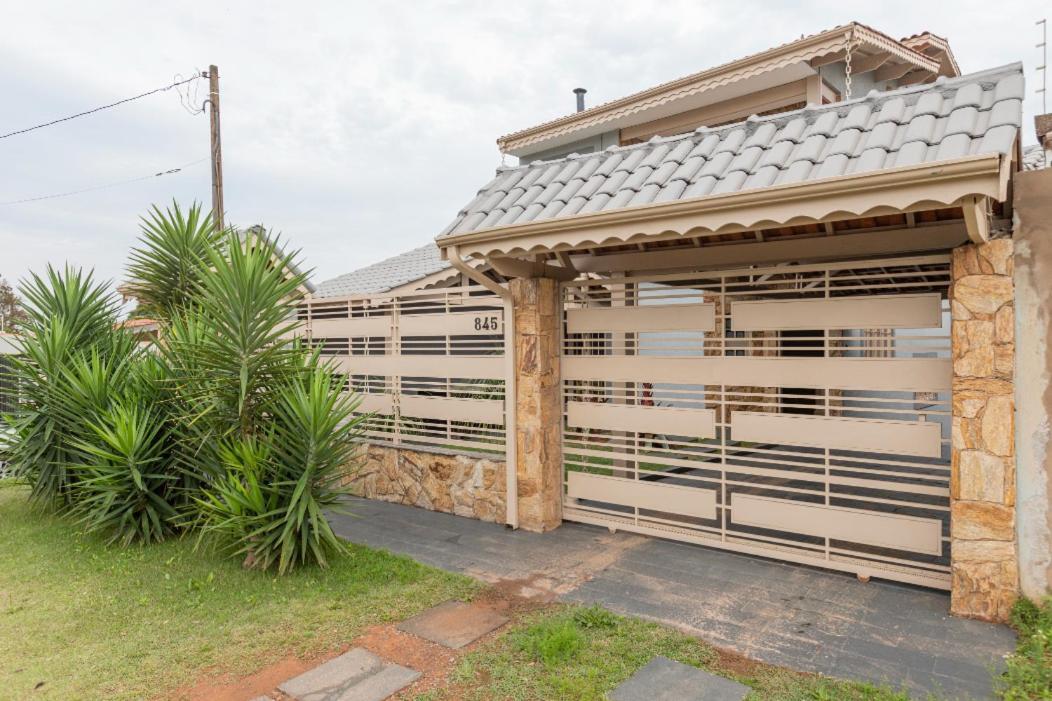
{"x":217,"y":148}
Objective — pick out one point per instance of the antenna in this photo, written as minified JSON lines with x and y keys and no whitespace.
{"x":1044,"y":64}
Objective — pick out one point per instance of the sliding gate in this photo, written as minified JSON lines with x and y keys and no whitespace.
{"x":800,"y":412}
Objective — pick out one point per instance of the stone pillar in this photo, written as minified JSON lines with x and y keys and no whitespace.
{"x":539,"y":461}
{"x":982,"y":479}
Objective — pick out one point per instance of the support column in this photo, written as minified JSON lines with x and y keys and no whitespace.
{"x":538,"y":404}
{"x":1033,"y":307}
{"x":982,"y":481}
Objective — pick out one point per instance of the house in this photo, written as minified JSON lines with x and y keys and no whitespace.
{"x":786,"y":306}
{"x":8,"y":349}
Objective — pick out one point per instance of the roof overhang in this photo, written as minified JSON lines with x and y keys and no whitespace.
{"x":968,"y":180}
{"x":776,"y":66}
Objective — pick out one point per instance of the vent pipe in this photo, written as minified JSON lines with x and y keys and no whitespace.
{"x":579,"y":92}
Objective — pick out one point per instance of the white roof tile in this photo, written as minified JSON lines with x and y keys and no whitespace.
{"x":969,"y":115}
{"x":1034,"y":158}
{"x":387,"y":274}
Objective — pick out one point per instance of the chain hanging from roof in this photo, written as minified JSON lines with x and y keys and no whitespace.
{"x":847,"y":61}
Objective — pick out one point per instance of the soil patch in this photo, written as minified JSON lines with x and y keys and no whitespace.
{"x":229,"y":687}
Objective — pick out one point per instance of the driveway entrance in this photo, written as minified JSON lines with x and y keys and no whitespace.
{"x":800,"y":412}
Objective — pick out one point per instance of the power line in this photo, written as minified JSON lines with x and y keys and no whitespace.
{"x":170,"y":171}
{"x":105,"y":107}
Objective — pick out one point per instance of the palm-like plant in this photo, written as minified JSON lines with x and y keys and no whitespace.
{"x":270,"y":503}
{"x":227,"y":422}
{"x":165,"y":271}
{"x":126,"y":487}
{"x":68,"y":316}
{"x":248,"y":304}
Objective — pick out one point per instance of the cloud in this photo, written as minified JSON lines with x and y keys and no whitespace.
{"x":359,"y":129}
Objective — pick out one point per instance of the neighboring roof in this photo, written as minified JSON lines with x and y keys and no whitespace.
{"x":145,"y":324}
{"x":387,"y":274}
{"x":1034,"y":158}
{"x":8,"y":344}
{"x":274,"y":241}
{"x":948,"y":120}
{"x":608,"y":114}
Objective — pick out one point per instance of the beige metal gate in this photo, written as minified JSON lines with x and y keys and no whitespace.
{"x":800,"y":411}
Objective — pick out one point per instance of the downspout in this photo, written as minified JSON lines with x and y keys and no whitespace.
{"x":511,"y":475}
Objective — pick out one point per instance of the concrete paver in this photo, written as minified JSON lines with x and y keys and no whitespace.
{"x":663,"y":679}
{"x":357,"y":675}
{"x":453,"y":624}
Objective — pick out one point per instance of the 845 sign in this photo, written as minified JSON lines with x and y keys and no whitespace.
{"x":487,"y":323}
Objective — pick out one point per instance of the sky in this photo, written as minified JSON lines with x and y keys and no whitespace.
{"x":358,"y":130}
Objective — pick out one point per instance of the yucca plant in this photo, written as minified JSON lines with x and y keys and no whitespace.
{"x":248,"y":305}
{"x":166,"y":268}
{"x":126,"y":487}
{"x":125,"y":484}
{"x":69,"y":316}
{"x":270,"y":504}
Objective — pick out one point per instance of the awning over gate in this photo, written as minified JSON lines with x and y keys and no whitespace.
{"x":951,"y":143}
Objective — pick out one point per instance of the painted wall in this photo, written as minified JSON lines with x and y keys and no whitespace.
{"x":592,"y":144}
{"x":1033,"y":328}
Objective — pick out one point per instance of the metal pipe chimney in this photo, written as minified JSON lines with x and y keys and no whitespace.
{"x":579,"y":92}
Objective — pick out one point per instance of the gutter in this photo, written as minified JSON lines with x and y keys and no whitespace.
{"x":511,"y":475}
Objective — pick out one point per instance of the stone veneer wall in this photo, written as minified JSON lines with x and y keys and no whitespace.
{"x":464,"y":485}
{"x":982,"y":482}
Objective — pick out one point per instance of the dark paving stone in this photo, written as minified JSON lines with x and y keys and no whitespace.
{"x":357,"y":675}
{"x":775,"y":612}
{"x":663,"y":679}
{"x":453,"y":624}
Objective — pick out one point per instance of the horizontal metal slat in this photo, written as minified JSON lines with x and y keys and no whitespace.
{"x":486,"y":367}
{"x":887,"y":374}
{"x":642,"y":419}
{"x":922,"y":438}
{"x":909,"y":311}
{"x":911,"y":533}
{"x":691,"y":501}
{"x":654,"y":317}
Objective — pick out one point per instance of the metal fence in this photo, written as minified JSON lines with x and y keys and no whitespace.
{"x":430,"y":366}
{"x":797,"y":411}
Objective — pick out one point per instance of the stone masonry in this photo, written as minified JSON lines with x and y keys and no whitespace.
{"x":982,"y":483}
{"x":538,"y":405}
{"x":464,"y":485}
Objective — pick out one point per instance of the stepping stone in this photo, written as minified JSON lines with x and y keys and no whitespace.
{"x":357,"y":675}
{"x":663,"y":679}
{"x":453,"y":624}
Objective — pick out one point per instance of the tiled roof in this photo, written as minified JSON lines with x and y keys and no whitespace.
{"x":948,"y":119}
{"x":387,"y":274}
{"x":1034,"y":158}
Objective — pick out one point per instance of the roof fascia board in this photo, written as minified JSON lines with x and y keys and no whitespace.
{"x":908,"y":188}
{"x":803,"y":50}
{"x":818,"y":247}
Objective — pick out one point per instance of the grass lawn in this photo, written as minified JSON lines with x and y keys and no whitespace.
{"x":575,"y":653}
{"x":91,"y":621}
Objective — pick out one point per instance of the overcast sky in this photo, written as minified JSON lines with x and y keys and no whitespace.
{"x":356,"y":129}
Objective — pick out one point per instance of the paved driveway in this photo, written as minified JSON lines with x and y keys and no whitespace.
{"x":778,"y":613}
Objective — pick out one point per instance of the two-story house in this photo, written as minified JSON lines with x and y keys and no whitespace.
{"x":772,"y":307}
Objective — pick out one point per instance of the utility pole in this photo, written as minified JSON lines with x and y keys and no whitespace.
{"x":217,"y":148}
